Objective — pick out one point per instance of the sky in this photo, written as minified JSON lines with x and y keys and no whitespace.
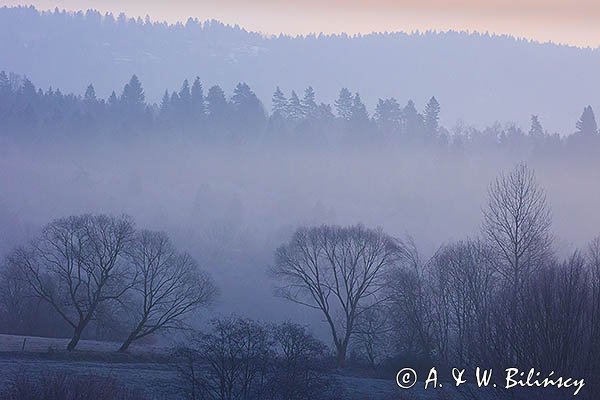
{"x":573,"y":22}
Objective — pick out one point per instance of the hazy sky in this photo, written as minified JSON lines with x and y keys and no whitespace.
{"x":564,"y":21}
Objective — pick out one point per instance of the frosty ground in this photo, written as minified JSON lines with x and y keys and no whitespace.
{"x":146,"y":369}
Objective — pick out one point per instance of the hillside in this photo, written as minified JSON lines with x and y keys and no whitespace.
{"x":475,"y":76}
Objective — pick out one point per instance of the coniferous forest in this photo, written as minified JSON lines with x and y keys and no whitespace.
{"x":211,"y":115}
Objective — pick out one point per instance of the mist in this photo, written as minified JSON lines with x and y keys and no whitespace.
{"x":232,"y":206}
{"x":185,"y":202}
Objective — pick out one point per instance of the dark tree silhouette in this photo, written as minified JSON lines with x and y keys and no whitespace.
{"x":248,"y":113}
{"x":388,"y":115}
{"x":168,"y":286}
{"x":536,"y":129}
{"x":343,"y":105}
{"x":217,"y":108}
{"x":338,"y":271}
{"x":76,"y":264}
{"x":432,"y":117}
{"x":294,"y":110}
{"x":279,"y":104}
{"x":517,"y":222}
{"x":587,"y":122}
{"x":309,"y":104}
{"x":412,"y":120}
{"x":197,"y":101}
{"x":133,"y":98}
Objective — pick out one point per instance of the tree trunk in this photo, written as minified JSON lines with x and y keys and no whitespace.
{"x":126,"y":343}
{"x":133,"y":335}
{"x":76,"y":336}
{"x":341,"y":356}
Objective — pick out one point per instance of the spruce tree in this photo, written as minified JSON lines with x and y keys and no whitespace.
{"x":587,"y":123}
{"x":359,"y":111}
{"x":133,"y":98}
{"x":536,"y":130}
{"x":388,"y":115}
{"x":308,"y":104}
{"x":112,"y":101}
{"x":432,"y":117}
{"x":217,"y":108}
{"x":165,"y":108}
{"x":294,"y":112}
{"x":197,"y":100}
{"x":165,"y":103}
{"x":279,"y":104}
{"x":90,"y":94}
{"x":185,"y":97}
{"x":5,"y":88}
{"x":412,"y":121}
{"x":248,"y":111}
{"x":343,"y":105}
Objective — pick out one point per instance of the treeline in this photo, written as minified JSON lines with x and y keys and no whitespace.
{"x":97,"y":276}
{"x":505,"y":299}
{"x":69,"y":50}
{"x":30,"y":113}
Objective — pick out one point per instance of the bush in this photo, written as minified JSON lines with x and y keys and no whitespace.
{"x":242,"y":359}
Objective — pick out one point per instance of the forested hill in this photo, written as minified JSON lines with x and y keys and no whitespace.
{"x":479,"y":78}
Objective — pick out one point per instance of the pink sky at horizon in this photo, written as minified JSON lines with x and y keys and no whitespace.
{"x":573,"y":22}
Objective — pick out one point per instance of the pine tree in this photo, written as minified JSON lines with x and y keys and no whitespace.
{"x":112,"y":100}
{"x":587,"y":123}
{"x":432,"y":117}
{"x":279,"y":104}
{"x":90,"y":95}
{"x":5,"y":88}
{"x":308,"y":103}
{"x":165,"y":103}
{"x":174,"y":101}
{"x":217,"y":107}
{"x":359,"y":111}
{"x":133,"y":98}
{"x":248,"y":111}
{"x":325,"y":114}
{"x":388,"y":115}
{"x":197,"y":101}
{"x":412,"y":121}
{"x":185,"y":99}
{"x":164,"y":111}
{"x":343,"y":105}
{"x":536,"y":130}
{"x":294,"y":109}
{"x":28,"y":91}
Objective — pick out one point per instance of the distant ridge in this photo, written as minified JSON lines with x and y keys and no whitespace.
{"x":479,"y":77}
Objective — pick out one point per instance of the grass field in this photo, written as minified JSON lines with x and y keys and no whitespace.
{"x":34,"y":344}
{"x":148,"y":370}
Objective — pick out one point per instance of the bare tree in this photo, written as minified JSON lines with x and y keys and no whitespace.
{"x":75,"y":264}
{"x":168,"y":285}
{"x":410,"y":299}
{"x":517,"y":222}
{"x":593,"y":261}
{"x":370,"y":332}
{"x":236,"y":358}
{"x":337,"y":270}
{"x":463,"y":287}
{"x":14,"y":296}
{"x":554,"y":316}
{"x":241,"y":359}
{"x":299,"y":364}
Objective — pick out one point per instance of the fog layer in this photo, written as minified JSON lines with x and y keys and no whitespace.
{"x":230,"y":207}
